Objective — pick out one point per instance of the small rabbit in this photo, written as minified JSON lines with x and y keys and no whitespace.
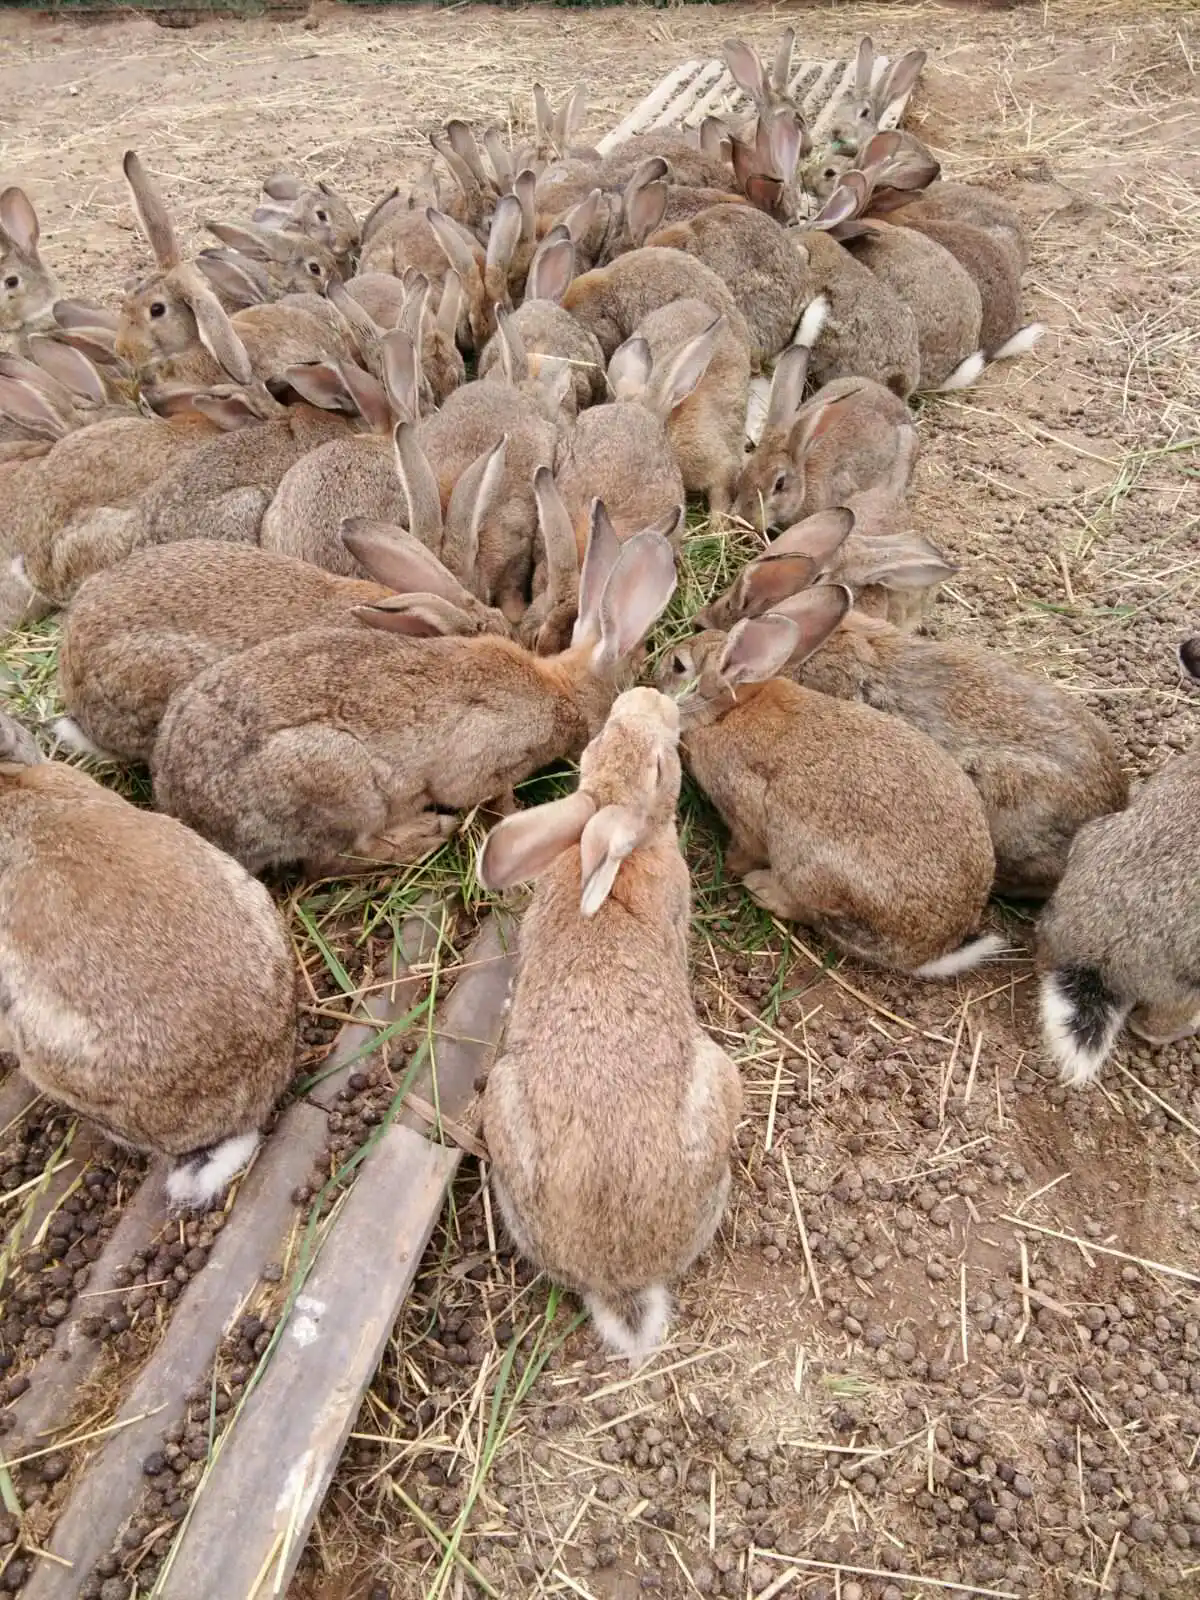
{"x":145,"y":979}
{"x":376,"y":305}
{"x":330,"y":746}
{"x":558,"y":130}
{"x":546,"y":330}
{"x":291,"y":206}
{"x":811,"y":456}
{"x":27,"y":286}
{"x":1119,"y":943}
{"x":259,"y":264}
{"x":611,"y":301}
{"x":609,"y":1114}
{"x":841,"y":817}
{"x":861,"y":113}
{"x":622,"y":452}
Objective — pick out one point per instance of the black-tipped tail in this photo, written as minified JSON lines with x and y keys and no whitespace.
{"x":1081,"y":1018}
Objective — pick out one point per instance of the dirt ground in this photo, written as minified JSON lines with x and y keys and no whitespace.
{"x":950,"y":1332}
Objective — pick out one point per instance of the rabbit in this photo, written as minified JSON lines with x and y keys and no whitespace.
{"x":767,"y":91}
{"x":861,"y":113}
{"x":814,"y":455}
{"x":963,"y":202}
{"x":329,"y":747}
{"x":314,"y":210}
{"x":145,"y":979}
{"x":622,"y":452}
{"x":690,"y":166}
{"x":558,"y":130}
{"x":609,"y":1114}
{"x":1119,"y":942}
{"x":501,"y":277}
{"x":259,"y":264}
{"x":173,"y":329}
{"x":432,"y":242}
{"x":841,"y":817}
{"x":546,"y":330}
{"x":376,"y":304}
{"x":1043,"y":765}
{"x":28,"y":288}
{"x":54,"y":390}
{"x":611,"y":301}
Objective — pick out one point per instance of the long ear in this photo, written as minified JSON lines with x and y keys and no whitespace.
{"x":781,"y":69}
{"x":904,"y":562}
{"x":880,"y":148}
{"x":558,"y":540}
{"x":645,"y":199}
{"x":686,"y":368}
{"x":450,"y":305}
{"x":420,"y":486}
{"x":758,"y":648}
{"x":525,"y":189}
{"x":401,"y":378}
{"x":95,"y":343}
{"x":599,"y":561}
{"x":217,"y":333}
{"x":470,"y":503}
{"x":715,"y":139}
{"x":375,"y":215}
{"x":745,"y":69}
{"x":770,"y":580}
{"x":19,"y":220}
{"x":579,"y":218}
{"x":234,"y":276}
{"x":503,"y":239}
{"x":514,"y":361}
{"x":321,"y":384}
{"x":78,"y":314}
{"x":462,"y":141}
{"x":816,"y":613}
{"x":638,"y":591}
{"x":28,"y":407}
{"x":229,"y":411}
{"x":574,"y":112}
{"x":282,"y":186}
{"x":151,"y":213}
{"x":818,"y":537}
{"x":787,"y":388}
{"x":500,"y":157}
{"x":786,"y":137}
{"x":552,"y":269}
{"x":630,"y":368}
{"x":842,"y":205}
{"x":609,"y":839}
{"x":397,"y":558}
{"x":454,"y":247}
{"x":421,"y":616}
{"x":260,"y":244}
{"x":524,"y":845}
{"x":368,"y":395}
{"x":815,"y":419}
{"x":37,"y":376}
{"x":864,"y":66}
{"x":899,"y":79}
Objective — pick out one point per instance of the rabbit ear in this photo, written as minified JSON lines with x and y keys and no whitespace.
{"x":714,"y":139}
{"x":421,"y":616}
{"x":543,"y":112}
{"x":787,"y":388}
{"x":19,"y":220}
{"x":630,"y":368}
{"x":503,"y":239}
{"x":401,"y":376}
{"x":462,"y":142}
{"x":450,"y":306}
{"x":234,"y":276}
{"x":375,"y":214}
{"x":524,"y":845}
{"x":818,"y":537}
{"x":552,"y":269}
{"x":500,"y":157}
{"x":558,"y":540}
{"x":786,"y":143}
{"x":745,"y":69}
{"x":815,"y":419}
{"x":217,"y":333}
{"x":638,"y":591}
{"x":368,"y":395}
{"x":580,"y":217}
{"x":27,"y":406}
{"x":420,"y":485}
{"x":78,"y":314}
{"x":842,"y":205}
{"x":17,"y":746}
{"x":455,"y":246}
{"x":395,"y":557}
{"x":282,"y":186}
{"x":574,"y":113}
{"x":758,"y":648}
{"x":470,"y":502}
{"x":525,"y":187}
{"x":685,"y":370}
{"x":599,"y":559}
{"x":229,"y":411}
{"x":815,"y":613}
{"x":864,"y":66}
{"x":69,"y":367}
{"x":609,"y":839}
{"x":95,"y":343}
{"x":260,"y":244}
{"x":770,"y":580}
{"x":904,"y":562}
{"x":781,"y":69}
{"x":321,"y":384}
{"x":151,"y":213}
{"x":514,"y":361}
{"x":899,"y":79}
{"x":645,"y":199}
{"x":880,"y":148}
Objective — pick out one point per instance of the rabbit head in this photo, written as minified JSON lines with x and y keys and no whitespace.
{"x":465,"y":257}
{"x":863,"y":111}
{"x":289,"y":205}
{"x":27,"y":286}
{"x":779,"y":573}
{"x":287,"y":263}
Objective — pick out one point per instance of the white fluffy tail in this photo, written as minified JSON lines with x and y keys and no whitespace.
{"x":964,"y":375}
{"x":198,"y":1179}
{"x":1081,"y":1019}
{"x":816,"y":315}
{"x":970,"y":371}
{"x":964,"y":958}
{"x":67,"y":731}
{"x":1021,"y":343}
{"x":633,"y":1340}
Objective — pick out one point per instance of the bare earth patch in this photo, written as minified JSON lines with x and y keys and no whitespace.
{"x":951,"y":1327}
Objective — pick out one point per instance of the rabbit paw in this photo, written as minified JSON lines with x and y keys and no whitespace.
{"x":739,"y":860}
{"x":770,"y":893}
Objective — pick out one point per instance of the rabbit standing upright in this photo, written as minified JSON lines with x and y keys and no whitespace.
{"x":145,"y":978}
{"x":610,"y":1114}
{"x":27,"y":286}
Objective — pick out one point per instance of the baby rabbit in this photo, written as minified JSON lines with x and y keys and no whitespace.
{"x":841,"y":817}
{"x":1119,"y":943}
{"x":145,"y":979}
{"x":27,"y":287}
{"x":610,"y":1114}
{"x":337,"y":746}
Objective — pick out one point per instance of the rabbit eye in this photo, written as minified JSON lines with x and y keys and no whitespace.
{"x":829,"y":174}
{"x":12,"y":281}
{"x":779,"y":483}
{"x":314,"y":268}
{"x":863,"y":113}
{"x":678,"y":664}
{"x":157,"y":309}
{"x":322,"y":216}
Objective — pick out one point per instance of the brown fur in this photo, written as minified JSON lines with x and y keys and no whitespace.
{"x":27,"y":304}
{"x":940,"y":293}
{"x":966,"y":202}
{"x":993,"y":261}
{"x":871,"y":332}
{"x":611,"y":301}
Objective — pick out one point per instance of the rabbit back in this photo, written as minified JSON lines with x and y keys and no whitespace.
{"x":870,"y":332}
{"x":621,"y":454}
{"x":611,"y":301}
{"x":347,"y":477}
{"x":545,"y":329}
{"x":968,"y":202}
{"x":937,"y":289}
{"x":993,"y":262}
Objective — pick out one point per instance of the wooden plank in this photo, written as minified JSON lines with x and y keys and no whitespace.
{"x":274,"y":1467}
{"x":643,"y":115}
{"x":108,"y":1492}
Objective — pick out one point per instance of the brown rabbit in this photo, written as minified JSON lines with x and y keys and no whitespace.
{"x":768,"y":92}
{"x":315,"y":210}
{"x":330,"y":746}
{"x":259,"y":264}
{"x":815,"y":455}
{"x":622,"y":452}
{"x":690,"y":166}
{"x":27,"y":286}
{"x":841,"y":817}
{"x":146,"y":979}
{"x":859,"y":114}
{"x":375,"y":305}
{"x":609,"y":1114}
{"x":611,"y":301}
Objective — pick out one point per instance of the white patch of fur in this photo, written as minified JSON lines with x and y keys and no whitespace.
{"x":67,"y":731}
{"x":1076,"y":1066}
{"x":196,"y":1188}
{"x":17,"y":567}
{"x":964,"y":375}
{"x":964,"y":958}
{"x":636,"y":1344}
{"x":812,"y":323}
{"x":1021,"y":342}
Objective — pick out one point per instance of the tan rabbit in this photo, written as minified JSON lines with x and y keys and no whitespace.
{"x":865,"y":109}
{"x":259,"y":264}
{"x":146,"y":978}
{"x":433,"y":243}
{"x":330,"y":746}
{"x":622,"y":452}
{"x":376,"y":304}
{"x":547,"y":331}
{"x":767,"y":91}
{"x":609,"y":1114}
{"x":315,"y":210}
{"x":28,"y":288}
{"x":690,"y":165}
{"x":843,"y":818}
{"x":1119,"y":944}
{"x":558,"y":131}
{"x":816,"y":454}
{"x":611,"y":301}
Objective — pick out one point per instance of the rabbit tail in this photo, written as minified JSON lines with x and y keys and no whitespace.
{"x":964,"y":958}
{"x":1081,"y":1018}
{"x":199,"y":1178}
{"x":68,"y":732}
{"x":633,"y":1325}
{"x":972,"y":369}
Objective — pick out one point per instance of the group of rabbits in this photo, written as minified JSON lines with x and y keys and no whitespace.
{"x":335,"y":595}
